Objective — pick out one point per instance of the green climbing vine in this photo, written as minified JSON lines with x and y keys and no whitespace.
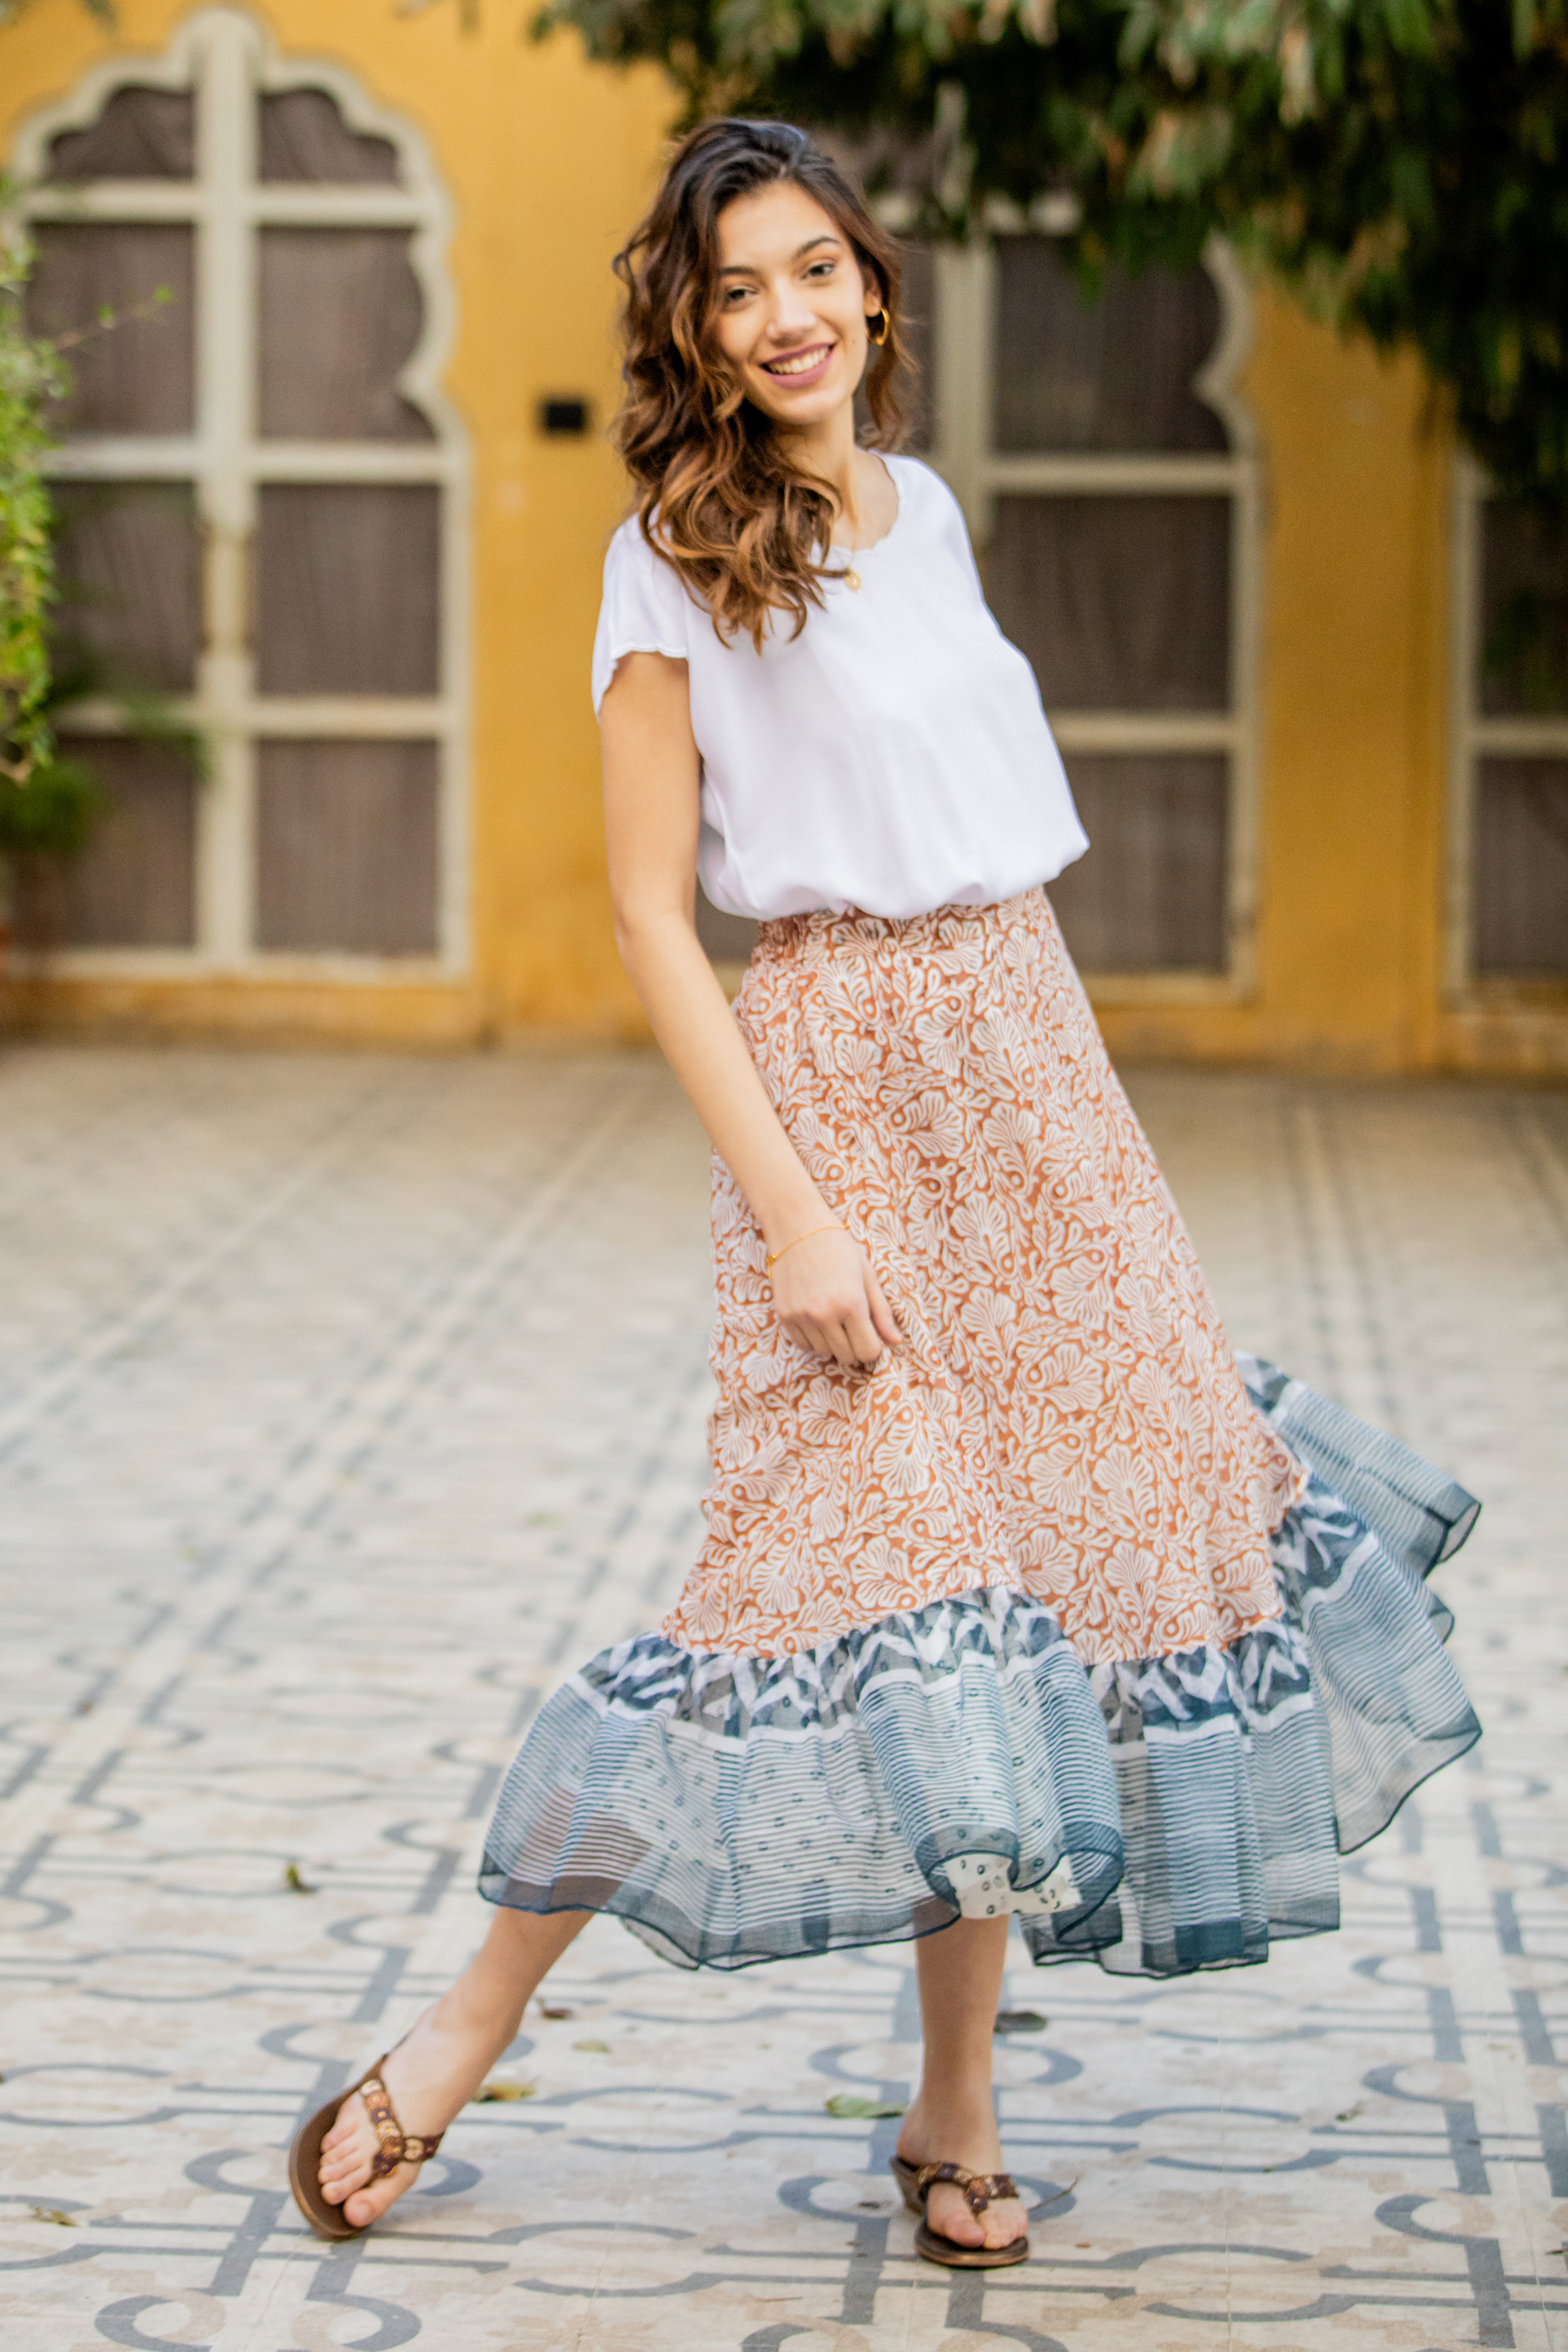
{"x":30,"y":373}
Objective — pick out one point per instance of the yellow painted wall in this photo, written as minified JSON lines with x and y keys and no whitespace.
{"x":548,"y":163}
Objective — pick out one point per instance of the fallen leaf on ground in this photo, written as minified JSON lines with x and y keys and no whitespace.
{"x":293,"y":1881}
{"x":1020,"y":2020}
{"x":602,"y":2048}
{"x":51,"y":2213}
{"x":1057,"y":2197}
{"x":553,"y":2008}
{"x":1348,"y":2116}
{"x":500,"y":2088}
{"x":848,"y":2108}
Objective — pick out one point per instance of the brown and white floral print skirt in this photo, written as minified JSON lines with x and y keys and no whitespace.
{"x":1061,"y":1609}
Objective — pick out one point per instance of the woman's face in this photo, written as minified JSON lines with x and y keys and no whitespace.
{"x":793,"y":303}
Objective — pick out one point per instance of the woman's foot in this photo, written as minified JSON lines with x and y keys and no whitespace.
{"x":430,"y":2077}
{"x":969,"y":2138}
{"x":436,"y":2069}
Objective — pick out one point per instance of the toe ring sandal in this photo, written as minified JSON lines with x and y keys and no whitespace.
{"x":393,"y":2146}
{"x":980,"y":2189}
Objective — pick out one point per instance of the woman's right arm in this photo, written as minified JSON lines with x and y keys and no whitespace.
{"x":828,"y":1296}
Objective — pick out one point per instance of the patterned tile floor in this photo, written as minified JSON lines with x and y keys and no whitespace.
{"x":348,"y":1400}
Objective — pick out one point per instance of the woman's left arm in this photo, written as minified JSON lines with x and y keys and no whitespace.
{"x":828,"y":1299}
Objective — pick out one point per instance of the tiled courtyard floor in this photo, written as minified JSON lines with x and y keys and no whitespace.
{"x":346,"y":1402}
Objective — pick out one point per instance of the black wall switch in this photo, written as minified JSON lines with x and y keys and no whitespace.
{"x":559,"y":413}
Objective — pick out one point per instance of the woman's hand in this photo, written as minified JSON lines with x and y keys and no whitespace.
{"x":830,"y":1302}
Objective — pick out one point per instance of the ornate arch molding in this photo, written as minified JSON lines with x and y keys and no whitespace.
{"x":966,"y":288}
{"x":229,"y":63}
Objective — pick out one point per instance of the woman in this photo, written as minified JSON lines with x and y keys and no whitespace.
{"x":1016,"y":1595}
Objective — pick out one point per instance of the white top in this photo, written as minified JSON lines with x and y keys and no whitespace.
{"x":894,"y":757}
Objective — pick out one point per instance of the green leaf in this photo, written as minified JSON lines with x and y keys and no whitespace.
{"x":1410,"y":25}
{"x":844,"y":2107}
{"x":500,"y":2088}
{"x":52,"y":812}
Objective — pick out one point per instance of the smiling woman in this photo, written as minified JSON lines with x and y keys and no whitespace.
{"x":1019,"y":1593}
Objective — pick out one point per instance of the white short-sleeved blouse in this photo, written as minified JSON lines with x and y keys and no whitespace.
{"x":893,"y":757}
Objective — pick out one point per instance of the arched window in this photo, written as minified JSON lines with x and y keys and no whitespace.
{"x":1108,"y":469}
{"x":1508,"y":897}
{"x":261,"y":490}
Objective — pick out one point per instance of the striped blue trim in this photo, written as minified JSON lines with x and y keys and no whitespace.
{"x":1159,"y":1815}
{"x":735,"y":1809}
{"x":1421,"y":1516}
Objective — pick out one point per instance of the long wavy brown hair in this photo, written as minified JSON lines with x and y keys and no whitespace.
{"x":718,"y":494}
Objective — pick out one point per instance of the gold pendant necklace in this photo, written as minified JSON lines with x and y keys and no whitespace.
{"x":851,"y":579}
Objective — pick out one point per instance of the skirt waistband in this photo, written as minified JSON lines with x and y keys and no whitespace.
{"x":814,"y":937}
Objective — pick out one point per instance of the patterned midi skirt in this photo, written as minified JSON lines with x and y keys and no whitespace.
{"x":1062,"y":1608}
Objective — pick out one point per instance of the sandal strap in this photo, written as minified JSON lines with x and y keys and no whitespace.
{"x":394,"y":2146}
{"x":980,"y":2189}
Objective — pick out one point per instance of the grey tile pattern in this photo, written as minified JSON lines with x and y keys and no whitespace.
{"x":344,"y":1402}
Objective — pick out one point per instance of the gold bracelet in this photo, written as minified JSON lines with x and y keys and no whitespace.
{"x":772,"y":1257}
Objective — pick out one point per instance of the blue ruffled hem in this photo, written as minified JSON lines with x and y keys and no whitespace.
{"x":1159,"y":1816}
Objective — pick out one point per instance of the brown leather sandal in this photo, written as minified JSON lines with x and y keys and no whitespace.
{"x":980,"y":2189}
{"x":395,"y":2146}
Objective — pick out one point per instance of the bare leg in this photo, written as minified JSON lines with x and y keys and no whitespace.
{"x":953,"y":2118}
{"x":435,"y":2073}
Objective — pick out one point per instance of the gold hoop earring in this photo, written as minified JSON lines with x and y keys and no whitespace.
{"x":878,"y":332}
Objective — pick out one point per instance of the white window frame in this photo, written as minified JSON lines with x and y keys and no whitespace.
{"x":1471,"y":736}
{"x":227,"y":59}
{"x":965,"y":310}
